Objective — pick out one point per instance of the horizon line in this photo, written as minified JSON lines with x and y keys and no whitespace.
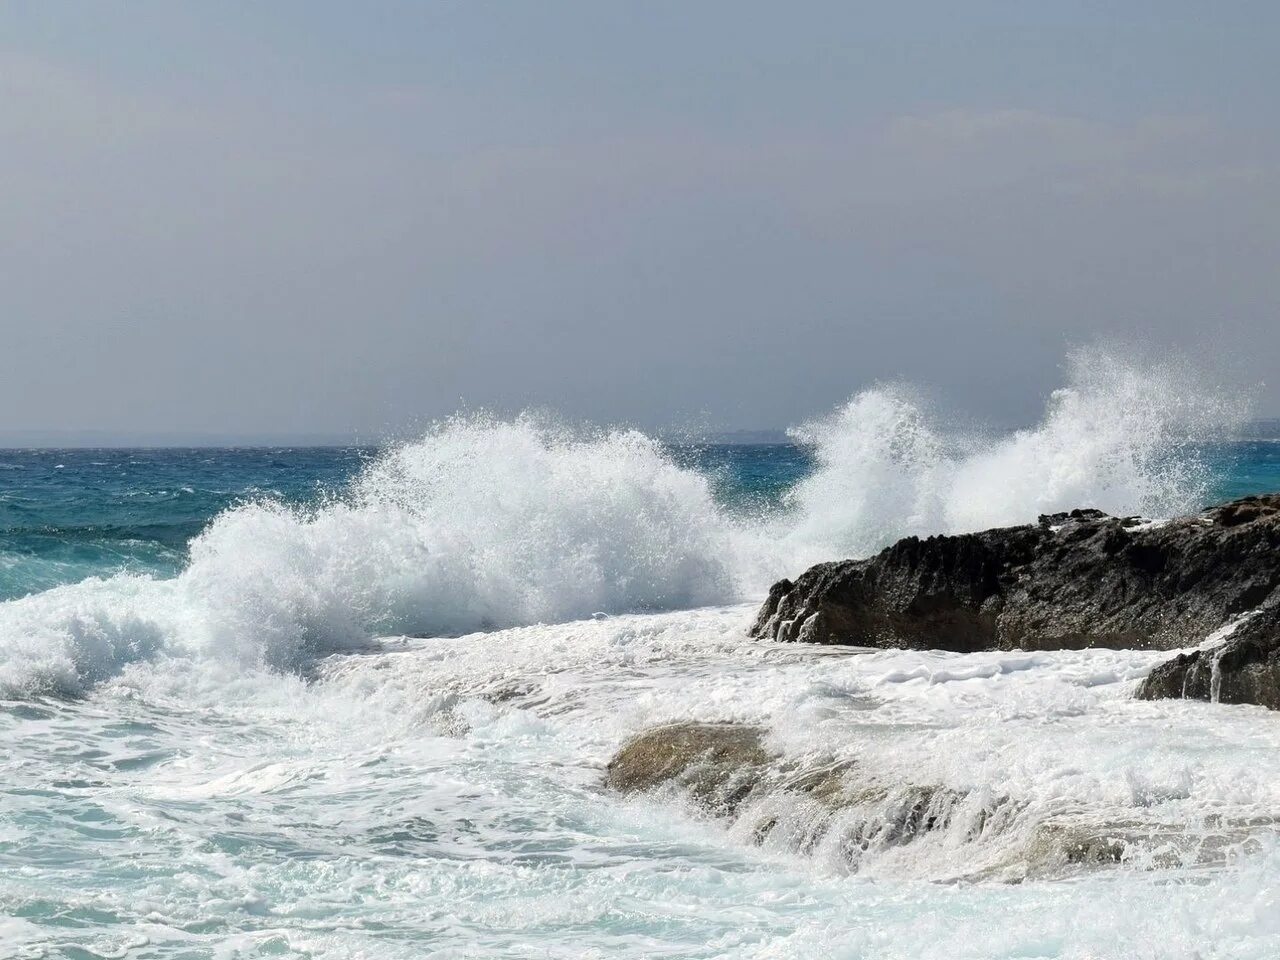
{"x":1257,"y":428}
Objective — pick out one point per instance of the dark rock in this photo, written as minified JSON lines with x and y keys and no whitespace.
{"x":1245,"y":668}
{"x":1070,"y":581}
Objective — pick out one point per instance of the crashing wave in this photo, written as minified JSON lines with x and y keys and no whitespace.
{"x":484,"y":523}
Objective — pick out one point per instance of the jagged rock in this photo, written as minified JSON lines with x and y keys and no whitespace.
{"x":1073,"y":580}
{"x":1245,"y":668}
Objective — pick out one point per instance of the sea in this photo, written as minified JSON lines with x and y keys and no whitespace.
{"x":358,"y":702}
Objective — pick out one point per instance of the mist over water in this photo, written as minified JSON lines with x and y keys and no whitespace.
{"x":1123,"y":436}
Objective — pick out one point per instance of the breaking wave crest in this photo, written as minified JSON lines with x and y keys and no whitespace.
{"x":485,"y":523}
{"x":480,"y":524}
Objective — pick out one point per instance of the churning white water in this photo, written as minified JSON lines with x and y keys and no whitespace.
{"x":377,"y":727}
{"x":442,"y":798}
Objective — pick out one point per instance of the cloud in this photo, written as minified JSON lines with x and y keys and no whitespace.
{"x":398,"y":244}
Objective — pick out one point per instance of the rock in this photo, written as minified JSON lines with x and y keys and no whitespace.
{"x":720,"y":765}
{"x":1245,"y":668}
{"x":726,"y":769}
{"x":717,"y":763}
{"x":1073,"y":580}
{"x":839,"y":811}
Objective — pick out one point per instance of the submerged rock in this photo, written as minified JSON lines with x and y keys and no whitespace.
{"x":717,"y":763}
{"x":853,"y":819}
{"x":1245,"y":668}
{"x":795,"y":805}
{"x":1073,"y":580}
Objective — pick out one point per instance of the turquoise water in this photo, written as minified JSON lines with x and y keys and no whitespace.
{"x":69,"y":514}
{"x":1244,"y":467}
{"x":355,"y":703}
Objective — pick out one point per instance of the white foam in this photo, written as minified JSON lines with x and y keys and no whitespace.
{"x":1018,"y":745}
{"x":480,"y":524}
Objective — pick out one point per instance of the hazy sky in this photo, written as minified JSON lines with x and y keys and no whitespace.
{"x":295,"y":217}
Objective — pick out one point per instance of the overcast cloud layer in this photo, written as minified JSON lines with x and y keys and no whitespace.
{"x":304,"y":218}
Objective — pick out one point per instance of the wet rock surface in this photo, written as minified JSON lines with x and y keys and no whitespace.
{"x":837,"y":811}
{"x":797,"y":805}
{"x":1071,"y":581}
{"x":719,"y":764}
{"x":1245,"y":668}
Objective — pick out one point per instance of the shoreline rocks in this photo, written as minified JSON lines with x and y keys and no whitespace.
{"x":1071,"y":581}
{"x":797,"y":805}
{"x":719,"y":764}
{"x":1074,"y":580}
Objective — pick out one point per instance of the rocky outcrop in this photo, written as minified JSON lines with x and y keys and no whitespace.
{"x":1244,"y":668}
{"x":717,"y":764}
{"x":1073,"y":580}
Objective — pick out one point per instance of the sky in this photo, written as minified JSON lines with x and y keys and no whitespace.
{"x":298,"y":219}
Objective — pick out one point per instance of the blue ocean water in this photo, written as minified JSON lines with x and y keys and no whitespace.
{"x":69,"y":514}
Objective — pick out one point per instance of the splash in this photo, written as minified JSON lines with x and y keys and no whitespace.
{"x":1123,"y":435}
{"x":483,"y":524}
